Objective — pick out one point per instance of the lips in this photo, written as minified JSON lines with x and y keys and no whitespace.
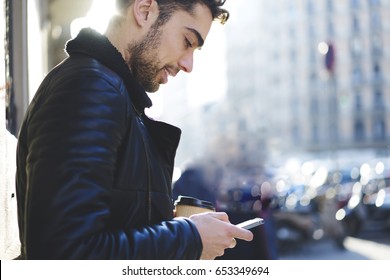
{"x":165,"y":76}
{"x":168,"y":72}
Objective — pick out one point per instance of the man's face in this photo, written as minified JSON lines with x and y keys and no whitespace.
{"x":167,"y":49}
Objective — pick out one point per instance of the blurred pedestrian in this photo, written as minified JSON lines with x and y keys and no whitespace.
{"x":192,"y":183}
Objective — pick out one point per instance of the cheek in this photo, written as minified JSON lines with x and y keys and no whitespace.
{"x":170,"y":50}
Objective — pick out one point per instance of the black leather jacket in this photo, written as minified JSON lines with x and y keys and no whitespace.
{"x":93,"y":172}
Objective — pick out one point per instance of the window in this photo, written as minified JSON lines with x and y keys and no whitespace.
{"x":375,"y":21}
{"x":310,"y":7}
{"x":295,"y":134}
{"x":330,"y":28}
{"x":314,"y":108}
{"x":355,"y":24}
{"x":356,"y":47}
{"x":357,"y":76}
{"x":334,"y":133}
{"x":355,"y":4}
{"x":359,"y":131}
{"x":377,"y":70}
{"x":379,"y":129}
{"x":329,"y":4}
{"x":374,"y":2}
{"x":314,"y":134}
{"x":378,"y":100}
{"x":376,"y":43}
{"x":294,"y":105}
{"x":358,"y":102}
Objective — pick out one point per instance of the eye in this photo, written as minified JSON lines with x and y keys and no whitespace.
{"x":188,"y":44}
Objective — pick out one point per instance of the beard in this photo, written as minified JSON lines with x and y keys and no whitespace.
{"x":143,"y":62}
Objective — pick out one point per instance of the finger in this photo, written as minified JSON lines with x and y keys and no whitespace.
{"x":222,"y":216}
{"x":233,"y":243}
{"x":243,"y":234}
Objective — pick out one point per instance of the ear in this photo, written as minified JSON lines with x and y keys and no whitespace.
{"x":145,"y":11}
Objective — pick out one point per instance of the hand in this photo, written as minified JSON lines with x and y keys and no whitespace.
{"x":217,"y":233}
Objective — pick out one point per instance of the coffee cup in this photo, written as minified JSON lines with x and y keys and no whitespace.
{"x":185,"y":206}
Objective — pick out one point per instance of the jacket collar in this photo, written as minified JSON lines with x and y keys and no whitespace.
{"x":92,"y":43}
{"x":96,"y":45}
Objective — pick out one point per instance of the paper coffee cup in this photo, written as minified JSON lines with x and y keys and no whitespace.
{"x":185,"y":206}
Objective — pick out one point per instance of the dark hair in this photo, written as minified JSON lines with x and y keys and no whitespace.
{"x":168,"y":7}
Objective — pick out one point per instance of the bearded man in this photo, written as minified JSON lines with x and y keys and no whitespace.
{"x":94,"y":173}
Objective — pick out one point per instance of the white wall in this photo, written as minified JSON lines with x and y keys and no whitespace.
{"x":9,"y":239}
{"x":37,"y":45}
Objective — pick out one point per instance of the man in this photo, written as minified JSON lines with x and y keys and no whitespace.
{"x":93,"y":171}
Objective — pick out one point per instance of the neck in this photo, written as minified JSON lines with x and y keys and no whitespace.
{"x":119,"y":35}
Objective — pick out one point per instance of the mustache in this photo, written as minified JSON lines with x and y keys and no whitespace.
{"x":172,"y":70}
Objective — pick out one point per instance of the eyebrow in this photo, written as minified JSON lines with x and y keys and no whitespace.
{"x":198,"y":36}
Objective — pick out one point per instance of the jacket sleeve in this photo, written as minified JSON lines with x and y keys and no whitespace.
{"x":73,"y":140}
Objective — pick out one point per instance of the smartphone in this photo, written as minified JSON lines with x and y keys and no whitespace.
{"x":251,"y":223}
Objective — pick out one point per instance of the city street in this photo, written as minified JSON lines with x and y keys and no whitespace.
{"x":369,"y":245}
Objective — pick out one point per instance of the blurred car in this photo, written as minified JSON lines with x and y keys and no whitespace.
{"x":297,"y":218}
{"x":376,"y":199}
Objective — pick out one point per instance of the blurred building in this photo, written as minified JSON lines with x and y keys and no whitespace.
{"x":311,"y":76}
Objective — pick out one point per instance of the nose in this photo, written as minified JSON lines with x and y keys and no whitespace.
{"x":186,"y":62}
